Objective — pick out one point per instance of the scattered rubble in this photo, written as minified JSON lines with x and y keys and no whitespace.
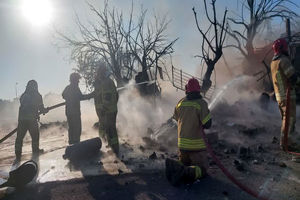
{"x":142,"y":148}
{"x":211,"y":163}
{"x":282,"y":164}
{"x":226,"y":151}
{"x":163,"y":148}
{"x":260,"y":148}
{"x":275,"y":140}
{"x":252,"y":132}
{"x":153,"y":156}
{"x":225,"y":193}
{"x":244,"y":152}
{"x":256,"y":162}
{"x":141,"y":166}
{"x":239,"y":165}
{"x":212,"y":137}
{"x":149,"y":142}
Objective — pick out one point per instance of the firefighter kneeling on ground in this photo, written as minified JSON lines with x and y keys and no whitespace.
{"x":106,"y":99}
{"x":284,"y":77}
{"x":191,"y":113}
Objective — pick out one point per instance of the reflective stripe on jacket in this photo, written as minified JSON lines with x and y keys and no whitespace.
{"x":106,"y":95}
{"x":282,"y":70}
{"x":189,"y":114}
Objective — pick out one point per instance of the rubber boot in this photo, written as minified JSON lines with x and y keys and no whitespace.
{"x":115,"y":149}
{"x":174,"y":171}
{"x":193,"y":173}
{"x":38,"y":151}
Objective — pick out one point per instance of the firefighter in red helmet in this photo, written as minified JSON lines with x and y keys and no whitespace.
{"x":284,"y":77}
{"x":192,"y":115}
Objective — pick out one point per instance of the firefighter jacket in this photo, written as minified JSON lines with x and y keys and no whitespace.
{"x":106,"y":95}
{"x":282,"y":70}
{"x":30,"y":105}
{"x":73,"y":96}
{"x":191,"y":115}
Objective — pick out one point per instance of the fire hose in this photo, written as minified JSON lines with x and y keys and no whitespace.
{"x":287,"y":124}
{"x":59,"y":105}
{"x":210,"y":151}
{"x":15,"y":130}
{"x":226,"y":172}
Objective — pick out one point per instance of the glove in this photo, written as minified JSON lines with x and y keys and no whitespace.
{"x":44,"y":111}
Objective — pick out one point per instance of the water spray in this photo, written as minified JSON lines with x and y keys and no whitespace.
{"x":135,"y":84}
{"x":221,"y":92}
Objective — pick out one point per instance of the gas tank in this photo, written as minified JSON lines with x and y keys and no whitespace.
{"x":22,"y":175}
{"x":83,"y":149}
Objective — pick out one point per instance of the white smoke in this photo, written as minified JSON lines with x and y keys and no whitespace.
{"x":136,"y":113}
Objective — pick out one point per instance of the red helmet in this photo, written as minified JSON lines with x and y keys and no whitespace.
{"x":192,"y":86}
{"x":280,"y":46}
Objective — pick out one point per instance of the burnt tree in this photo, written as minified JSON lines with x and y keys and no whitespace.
{"x":100,"y":41}
{"x":124,"y":47}
{"x":212,"y":45}
{"x":149,"y":46}
{"x":253,"y":14}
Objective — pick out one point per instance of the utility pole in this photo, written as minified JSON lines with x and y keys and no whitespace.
{"x":16,"y":89}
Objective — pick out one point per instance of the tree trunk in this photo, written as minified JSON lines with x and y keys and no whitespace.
{"x":206,"y":81}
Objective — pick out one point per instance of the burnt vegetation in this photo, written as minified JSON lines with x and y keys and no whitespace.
{"x":212,"y":43}
{"x":248,"y":22}
{"x":137,"y":46}
{"x":127,"y":47}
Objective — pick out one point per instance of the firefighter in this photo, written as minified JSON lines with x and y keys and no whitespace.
{"x":73,"y":96}
{"x":192,"y":115}
{"x":106,"y":99}
{"x":284,"y":76}
{"x":31,"y":103}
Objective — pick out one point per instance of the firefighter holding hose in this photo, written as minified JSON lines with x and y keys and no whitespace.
{"x":106,"y":99}
{"x":192,"y":115}
{"x":284,"y":77}
{"x":73,"y":96}
{"x":31,"y":103}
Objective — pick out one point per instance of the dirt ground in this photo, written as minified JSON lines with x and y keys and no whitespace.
{"x":244,"y":137}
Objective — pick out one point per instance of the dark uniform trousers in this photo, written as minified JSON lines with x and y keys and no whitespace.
{"x":108,"y":129}
{"x":74,"y":131}
{"x":23,"y":127}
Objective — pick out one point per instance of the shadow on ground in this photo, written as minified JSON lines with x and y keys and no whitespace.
{"x":139,"y":186}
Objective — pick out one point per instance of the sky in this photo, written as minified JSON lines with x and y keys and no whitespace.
{"x":29,"y":48}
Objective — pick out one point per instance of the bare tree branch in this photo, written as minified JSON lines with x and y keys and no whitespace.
{"x":218,"y":38}
{"x":125,"y":48}
{"x":259,"y":11}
